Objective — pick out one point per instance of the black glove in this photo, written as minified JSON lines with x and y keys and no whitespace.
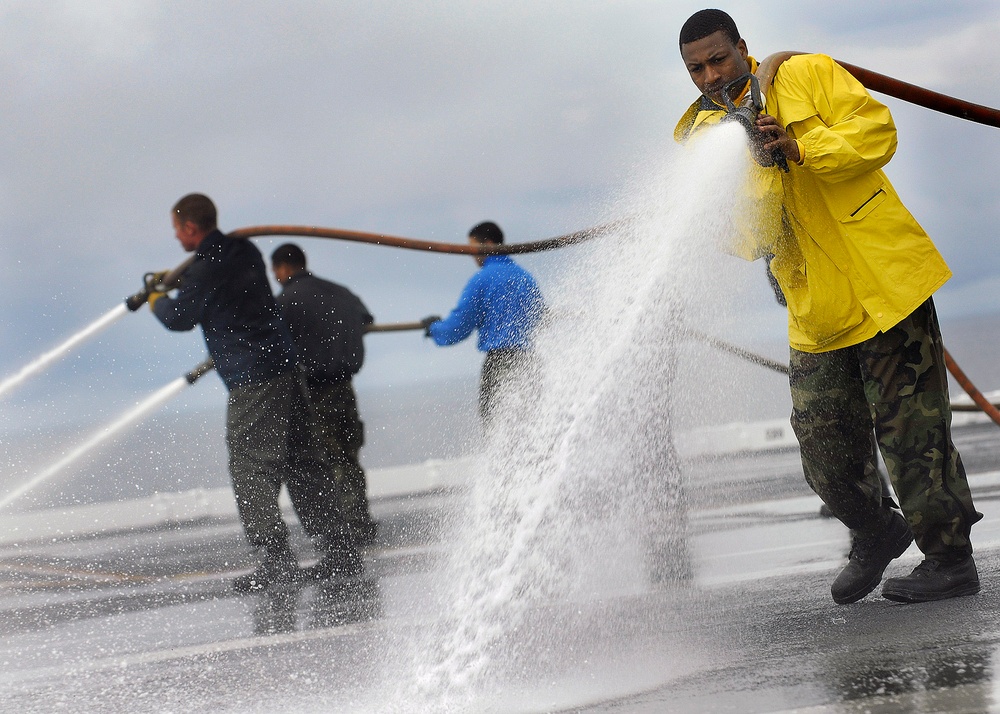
{"x":427,"y":322}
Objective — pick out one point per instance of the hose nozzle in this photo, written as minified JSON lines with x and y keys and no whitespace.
{"x":746,"y":116}
{"x":136,"y":300}
{"x":157,"y":282}
{"x":200,"y":371}
{"x":150,"y":282}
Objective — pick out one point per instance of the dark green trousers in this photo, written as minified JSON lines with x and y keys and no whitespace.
{"x":897,"y":383}
{"x":273,"y":440}
{"x":336,"y":409}
{"x":502,"y":371}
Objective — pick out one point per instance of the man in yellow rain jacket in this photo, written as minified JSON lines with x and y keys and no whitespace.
{"x":857,"y":272}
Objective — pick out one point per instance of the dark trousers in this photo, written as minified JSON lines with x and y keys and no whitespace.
{"x":336,"y":408}
{"x":273,"y":439}
{"x":897,"y":383}
{"x":502,"y":369}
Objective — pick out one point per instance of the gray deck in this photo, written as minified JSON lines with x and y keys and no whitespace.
{"x":144,"y":621}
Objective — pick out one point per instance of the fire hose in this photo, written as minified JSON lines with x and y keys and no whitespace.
{"x":765,"y":74}
{"x":981,"y":402}
{"x":209,"y":364}
{"x":171,"y":278}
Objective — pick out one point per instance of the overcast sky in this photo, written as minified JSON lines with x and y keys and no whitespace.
{"x":411,"y":118}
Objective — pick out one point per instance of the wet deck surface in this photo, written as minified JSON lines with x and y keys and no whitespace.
{"x":145,"y":621}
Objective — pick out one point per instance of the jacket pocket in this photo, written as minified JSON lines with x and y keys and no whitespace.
{"x":866,"y":207}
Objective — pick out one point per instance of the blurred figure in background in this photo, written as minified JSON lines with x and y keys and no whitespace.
{"x":328,"y":322}
{"x":269,"y":432}
{"x":501,"y":301}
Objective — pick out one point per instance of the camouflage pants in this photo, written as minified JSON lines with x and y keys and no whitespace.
{"x":896,"y":383}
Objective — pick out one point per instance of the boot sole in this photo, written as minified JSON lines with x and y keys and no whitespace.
{"x":909,"y":596}
{"x":870,"y":585}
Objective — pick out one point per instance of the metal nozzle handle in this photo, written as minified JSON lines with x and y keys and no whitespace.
{"x":200,"y":371}
{"x":755,"y":97}
{"x":170,"y":281}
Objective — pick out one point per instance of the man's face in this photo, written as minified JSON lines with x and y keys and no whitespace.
{"x":713,"y":62}
{"x":282,"y":272}
{"x":480,"y":259}
{"x":187,"y":233}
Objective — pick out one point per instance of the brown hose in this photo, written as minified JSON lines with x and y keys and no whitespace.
{"x":899,"y":89}
{"x":209,"y":364}
{"x":740,"y":352}
{"x":432,"y":246}
{"x":970,"y":389}
{"x":173,"y":277}
{"x":924,"y":97}
{"x":981,"y":402}
{"x":395,"y":327}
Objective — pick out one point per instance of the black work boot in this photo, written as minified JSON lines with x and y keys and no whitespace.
{"x":336,"y":564}
{"x":868,"y":559}
{"x":364,"y":532}
{"x":279,"y":567}
{"x":934,"y":580}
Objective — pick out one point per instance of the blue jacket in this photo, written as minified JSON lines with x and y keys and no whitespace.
{"x":502,"y":301}
{"x":225,"y":290}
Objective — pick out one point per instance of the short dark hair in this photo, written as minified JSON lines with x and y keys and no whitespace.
{"x":487,"y":232}
{"x":198,"y":209}
{"x":706,"y":22}
{"x":289,"y":254}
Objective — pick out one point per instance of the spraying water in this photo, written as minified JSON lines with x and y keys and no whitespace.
{"x":580,"y":496}
{"x":132,"y":416}
{"x":52,"y":355}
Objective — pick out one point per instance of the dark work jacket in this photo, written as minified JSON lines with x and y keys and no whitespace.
{"x":327,"y":322}
{"x":225,"y":290}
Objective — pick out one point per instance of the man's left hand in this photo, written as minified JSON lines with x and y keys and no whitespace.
{"x":154,"y":295}
{"x":775,"y":137}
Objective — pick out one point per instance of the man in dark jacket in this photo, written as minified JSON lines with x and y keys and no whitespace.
{"x":328,"y":322}
{"x":270,"y":435}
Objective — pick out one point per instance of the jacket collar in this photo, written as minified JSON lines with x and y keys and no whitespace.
{"x":298,"y":276}
{"x":209,"y":244}
{"x":496,"y":259}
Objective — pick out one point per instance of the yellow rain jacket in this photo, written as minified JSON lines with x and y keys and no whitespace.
{"x":849,"y":257}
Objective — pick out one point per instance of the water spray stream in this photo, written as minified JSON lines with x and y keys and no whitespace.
{"x":580,"y":492}
{"x":131,"y":417}
{"x":52,"y":355}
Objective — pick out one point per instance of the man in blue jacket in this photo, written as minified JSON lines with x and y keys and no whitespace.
{"x":271,"y":436}
{"x":501,"y":301}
